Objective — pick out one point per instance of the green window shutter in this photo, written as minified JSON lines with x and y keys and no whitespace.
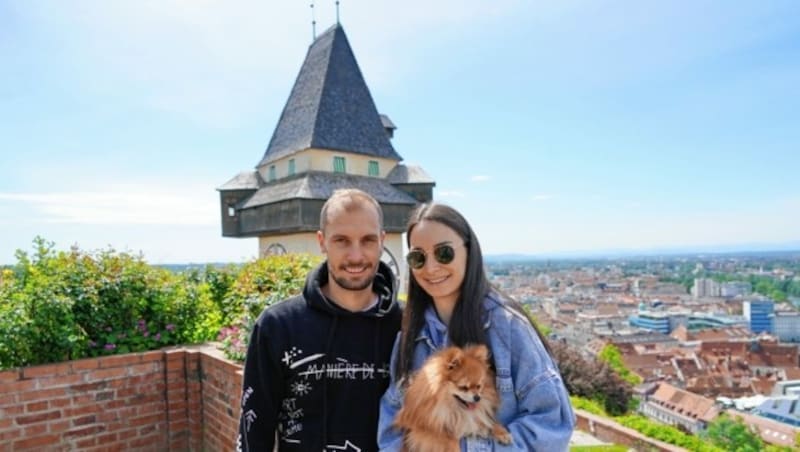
{"x":338,"y":165}
{"x":373,"y":169}
{"x":291,"y":167}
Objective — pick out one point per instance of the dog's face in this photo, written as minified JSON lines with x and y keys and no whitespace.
{"x":468,"y":374}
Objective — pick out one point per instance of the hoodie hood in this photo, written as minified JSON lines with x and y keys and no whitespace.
{"x":383,"y":285}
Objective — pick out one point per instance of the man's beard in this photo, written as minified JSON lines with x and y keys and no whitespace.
{"x":348,"y":284}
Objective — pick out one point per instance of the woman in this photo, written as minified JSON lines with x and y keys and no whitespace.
{"x":450,"y":302}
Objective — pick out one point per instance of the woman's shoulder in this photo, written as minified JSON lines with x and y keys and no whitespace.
{"x":501,"y":310}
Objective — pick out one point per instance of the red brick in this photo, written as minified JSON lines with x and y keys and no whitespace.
{"x":106,"y":374}
{"x":107,"y":395}
{"x":12,"y":410}
{"x":85,"y":387}
{"x":85,"y":364}
{"x":7,"y":399}
{"x":82,"y":410}
{"x":36,"y":406}
{"x":83,"y":420}
{"x":153,"y":356}
{"x":107,"y":438}
{"x":7,"y":436}
{"x":41,"y":394}
{"x":125,"y":434}
{"x":29,"y":443}
{"x":35,"y":430}
{"x":10,"y":376}
{"x":85,"y":431}
{"x":142,"y":369}
{"x":60,"y":403}
{"x":58,"y":427}
{"x":48,"y":370}
{"x":62,"y":380}
{"x":86,"y":442}
{"x":22,"y":420}
{"x":20,"y":386}
{"x":119,"y":360}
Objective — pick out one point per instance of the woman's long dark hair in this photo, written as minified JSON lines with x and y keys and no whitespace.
{"x":466,"y":322}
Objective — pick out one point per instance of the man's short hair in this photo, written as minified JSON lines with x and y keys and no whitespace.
{"x":349,"y":199}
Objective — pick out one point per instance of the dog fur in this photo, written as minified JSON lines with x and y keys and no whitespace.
{"x":452,"y":395}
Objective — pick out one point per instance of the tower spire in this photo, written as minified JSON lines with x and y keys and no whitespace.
{"x":337,"y":12}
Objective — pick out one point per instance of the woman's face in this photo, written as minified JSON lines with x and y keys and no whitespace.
{"x":442,"y":281}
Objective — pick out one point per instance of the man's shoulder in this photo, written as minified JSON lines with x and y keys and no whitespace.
{"x":284,"y":309}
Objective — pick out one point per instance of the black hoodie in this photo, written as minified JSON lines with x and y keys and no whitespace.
{"x":315,"y":373}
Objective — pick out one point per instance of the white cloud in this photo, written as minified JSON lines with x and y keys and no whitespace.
{"x":136,"y":207}
{"x":480,"y":178}
{"x":542,"y":197}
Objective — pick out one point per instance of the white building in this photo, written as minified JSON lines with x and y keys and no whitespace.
{"x":787,"y":326}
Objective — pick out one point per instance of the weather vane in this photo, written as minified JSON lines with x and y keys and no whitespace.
{"x":313,"y":23}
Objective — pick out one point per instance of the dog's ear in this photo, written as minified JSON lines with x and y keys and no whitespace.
{"x":480,"y":352}
{"x":453,"y":358}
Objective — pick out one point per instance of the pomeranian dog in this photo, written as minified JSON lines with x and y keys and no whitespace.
{"x":452,"y":395}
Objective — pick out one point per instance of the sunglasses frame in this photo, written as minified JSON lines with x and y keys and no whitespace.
{"x":445,"y":259}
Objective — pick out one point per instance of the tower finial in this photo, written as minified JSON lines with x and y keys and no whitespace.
{"x":337,"y":12}
{"x":313,"y":24}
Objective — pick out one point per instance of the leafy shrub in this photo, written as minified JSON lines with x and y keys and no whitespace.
{"x":593,"y":379}
{"x":56,"y":306}
{"x":259,"y":284}
{"x":666,"y":433}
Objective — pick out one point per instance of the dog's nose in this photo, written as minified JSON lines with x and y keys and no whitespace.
{"x":476,"y":398}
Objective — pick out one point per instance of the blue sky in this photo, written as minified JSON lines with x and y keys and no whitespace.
{"x":554,"y":126}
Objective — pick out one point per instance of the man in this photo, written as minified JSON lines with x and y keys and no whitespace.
{"x":318,"y":363}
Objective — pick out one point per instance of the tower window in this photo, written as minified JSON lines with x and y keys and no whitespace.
{"x":291,"y":167}
{"x":272,"y":175}
{"x":338,"y":165}
{"x":373,"y":170}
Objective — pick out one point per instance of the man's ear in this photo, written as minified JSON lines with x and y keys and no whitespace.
{"x":321,"y":240}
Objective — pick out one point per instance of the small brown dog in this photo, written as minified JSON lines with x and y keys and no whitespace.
{"x":453,"y":395}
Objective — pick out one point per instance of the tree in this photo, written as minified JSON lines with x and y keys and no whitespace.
{"x":592,"y":379}
{"x":611,"y":355}
{"x":733,"y":435}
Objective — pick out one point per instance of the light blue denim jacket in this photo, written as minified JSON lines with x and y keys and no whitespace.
{"x":534,"y":404}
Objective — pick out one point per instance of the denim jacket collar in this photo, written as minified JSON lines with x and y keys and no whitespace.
{"x":435,"y":331}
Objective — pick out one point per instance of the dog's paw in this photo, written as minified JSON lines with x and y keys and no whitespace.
{"x":501,"y":434}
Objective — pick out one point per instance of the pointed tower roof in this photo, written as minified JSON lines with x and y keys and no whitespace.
{"x":330,"y":106}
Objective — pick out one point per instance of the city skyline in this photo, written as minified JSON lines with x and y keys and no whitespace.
{"x":569,"y":127}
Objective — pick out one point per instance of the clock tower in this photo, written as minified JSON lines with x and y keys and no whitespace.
{"x":329,"y":136}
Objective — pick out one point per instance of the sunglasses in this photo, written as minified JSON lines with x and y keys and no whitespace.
{"x":444,"y":254}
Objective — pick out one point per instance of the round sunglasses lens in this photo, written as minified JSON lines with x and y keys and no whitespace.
{"x":444,"y":254}
{"x":415,"y":259}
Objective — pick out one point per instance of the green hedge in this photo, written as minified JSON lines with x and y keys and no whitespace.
{"x":62,"y":305}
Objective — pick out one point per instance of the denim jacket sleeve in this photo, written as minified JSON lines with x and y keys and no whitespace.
{"x":390,"y":439}
{"x":543,"y":419}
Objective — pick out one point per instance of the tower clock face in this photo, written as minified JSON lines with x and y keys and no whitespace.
{"x":389,"y":260}
{"x":275,"y":249}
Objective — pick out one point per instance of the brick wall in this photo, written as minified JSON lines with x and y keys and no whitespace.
{"x":182,"y":399}
{"x":172,"y":399}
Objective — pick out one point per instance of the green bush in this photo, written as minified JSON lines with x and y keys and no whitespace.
{"x":259,"y":284}
{"x":666,"y":433}
{"x":56,"y":306}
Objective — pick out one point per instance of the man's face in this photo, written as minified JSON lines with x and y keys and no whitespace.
{"x":353,"y":242}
